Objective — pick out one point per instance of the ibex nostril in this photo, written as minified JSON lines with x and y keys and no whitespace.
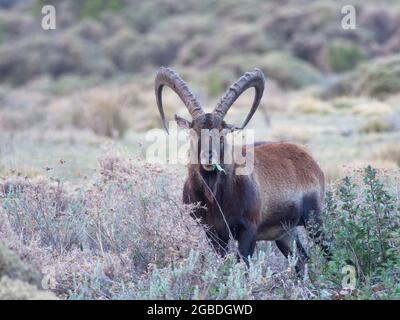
{"x":209,"y":157}
{"x":204,"y":157}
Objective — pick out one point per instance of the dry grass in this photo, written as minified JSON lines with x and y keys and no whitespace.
{"x":388,"y":153}
{"x":291,"y":134}
{"x":18,"y":280}
{"x":126,"y":235}
{"x":110,"y":111}
{"x":311,"y":105}
{"x":343,"y":103}
{"x":333,"y":172}
{"x":103,"y":112}
{"x":372,"y":108}
{"x":125,"y":219}
{"x":19,"y":290}
{"x":384,"y":165}
{"x":376,"y":125}
{"x":122,"y":232}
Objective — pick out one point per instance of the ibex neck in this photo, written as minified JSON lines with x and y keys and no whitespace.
{"x":214,"y":184}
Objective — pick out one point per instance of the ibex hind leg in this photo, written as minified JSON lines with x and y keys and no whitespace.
{"x":286,"y":245}
{"x":312,"y":221}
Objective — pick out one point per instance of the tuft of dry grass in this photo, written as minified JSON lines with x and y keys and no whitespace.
{"x":372,"y":108}
{"x":291,"y":134}
{"x":102,"y":112}
{"x":388,"y":153}
{"x":15,"y":289}
{"x":109,"y":112}
{"x":333,"y":172}
{"x":376,"y":125}
{"x":343,"y":103}
{"x":18,"y":280}
{"x":311,"y":105}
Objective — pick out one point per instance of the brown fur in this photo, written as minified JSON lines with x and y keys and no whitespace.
{"x":285,"y":189}
{"x":266,"y":205}
{"x":284,"y":173}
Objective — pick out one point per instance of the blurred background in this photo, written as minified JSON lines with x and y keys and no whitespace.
{"x":65,"y":93}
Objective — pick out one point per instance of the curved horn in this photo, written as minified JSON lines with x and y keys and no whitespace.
{"x":249,"y":79}
{"x":168,"y":77}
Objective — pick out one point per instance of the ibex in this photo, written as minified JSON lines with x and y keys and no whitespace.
{"x":284,"y":190}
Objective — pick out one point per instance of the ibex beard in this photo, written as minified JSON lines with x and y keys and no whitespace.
{"x":284,"y":190}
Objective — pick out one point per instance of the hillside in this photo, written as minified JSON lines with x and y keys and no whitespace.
{"x":77,"y":104}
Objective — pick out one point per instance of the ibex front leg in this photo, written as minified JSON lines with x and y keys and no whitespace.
{"x":247,"y":241}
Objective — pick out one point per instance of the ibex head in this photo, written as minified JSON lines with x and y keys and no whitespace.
{"x":209,"y":121}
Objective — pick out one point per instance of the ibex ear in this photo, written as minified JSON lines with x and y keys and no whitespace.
{"x":230,"y":127}
{"x":183,"y":123}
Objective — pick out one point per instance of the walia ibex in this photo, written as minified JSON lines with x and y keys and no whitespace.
{"x":284,"y":190}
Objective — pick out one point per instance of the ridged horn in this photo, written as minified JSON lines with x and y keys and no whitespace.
{"x":168,"y":77}
{"x":254,"y":79}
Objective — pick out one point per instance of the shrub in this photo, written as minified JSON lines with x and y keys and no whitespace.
{"x":102,"y":112}
{"x":381,"y":22}
{"x":292,"y":134}
{"x":122,"y":228}
{"x":223,"y":279}
{"x":378,"y":78}
{"x":21,"y":119}
{"x":14,"y":25}
{"x":19,"y":290}
{"x":390,"y":152}
{"x":344,"y":55}
{"x":288,"y":71}
{"x":90,"y":31}
{"x":118,"y":44}
{"x":85,"y":8}
{"x":362,"y":221}
{"x":376,"y":125}
{"x":218,"y":81}
{"x":12,"y":267}
{"x":343,"y":103}
{"x":92,"y":8}
{"x":126,"y":235}
{"x":310,"y":105}
{"x":146,"y":14}
{"x":310,"y":47}
{"x":373,"y":108}
{"x":18,"y":281}
{"x":65,"y":54}
{"x":108,"y":112}
{"x":219,"y":78}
